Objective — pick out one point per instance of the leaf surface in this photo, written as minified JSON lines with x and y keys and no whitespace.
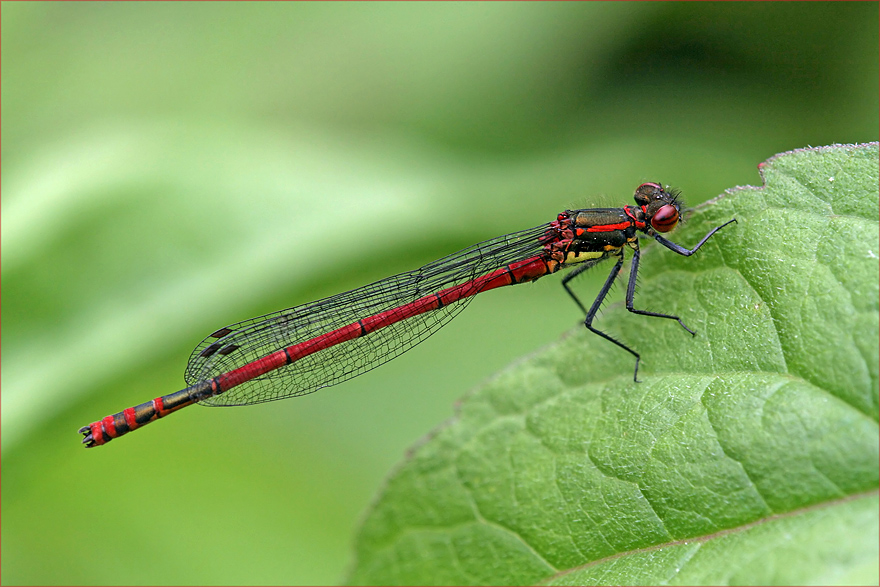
{"x":748,"y":454}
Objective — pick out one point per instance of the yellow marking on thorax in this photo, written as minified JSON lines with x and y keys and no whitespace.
{"x":579,"y":257}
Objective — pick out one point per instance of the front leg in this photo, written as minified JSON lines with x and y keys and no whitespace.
{"x":688,"y":252}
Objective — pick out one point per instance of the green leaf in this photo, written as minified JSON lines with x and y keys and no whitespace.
{"x":747,"y":455}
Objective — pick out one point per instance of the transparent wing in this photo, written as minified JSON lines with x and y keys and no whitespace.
{"x":250,"y":340}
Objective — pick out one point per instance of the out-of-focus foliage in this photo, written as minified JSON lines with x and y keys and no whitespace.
{"x":169,"y":168}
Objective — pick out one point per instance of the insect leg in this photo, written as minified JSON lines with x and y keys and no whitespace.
{"x":675,"y":248}
{"x":594,"y":309}
{"x":571,"y":275}
{"x":631,"y":291}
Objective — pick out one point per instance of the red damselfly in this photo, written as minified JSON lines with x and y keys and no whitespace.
{"x":303,"y":349}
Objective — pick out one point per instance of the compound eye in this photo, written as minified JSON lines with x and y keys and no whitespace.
{"x":665,"y":219}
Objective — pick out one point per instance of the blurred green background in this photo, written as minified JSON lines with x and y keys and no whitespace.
{"x":170,"y":168}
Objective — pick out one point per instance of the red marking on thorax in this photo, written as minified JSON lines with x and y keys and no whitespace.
{"x":636,"y":221}
{"x":609,"y":227}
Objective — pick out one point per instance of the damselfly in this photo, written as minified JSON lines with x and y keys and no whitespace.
{"x":303,"y":349}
